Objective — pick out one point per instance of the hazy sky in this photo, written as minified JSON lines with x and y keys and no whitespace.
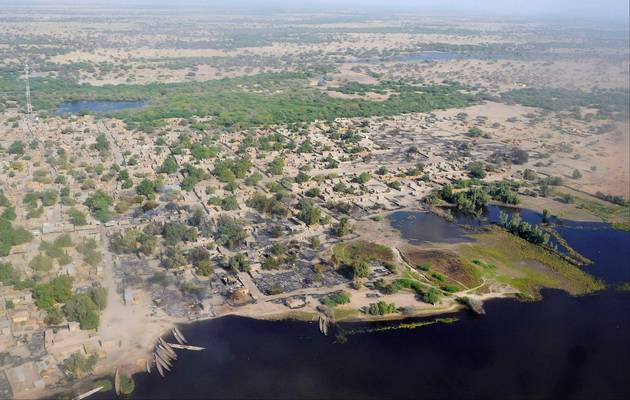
{"x":618,"y":10}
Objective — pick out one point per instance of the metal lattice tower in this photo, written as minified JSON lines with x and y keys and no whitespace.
{"x":29,"y":107}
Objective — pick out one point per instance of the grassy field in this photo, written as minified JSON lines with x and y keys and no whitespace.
{"x":359,"y":250}
{"x":526,"y":266}
{"x":616,"y":215}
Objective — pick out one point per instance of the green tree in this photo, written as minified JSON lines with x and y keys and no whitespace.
{"x":169,"y":166}
{"x":82,"y":309}
{"x":309,"y":212}
{"x":99,"y":297}
{"x":17,"y":147}
{"x":146,"y":188}
{"x":239,"y":262}
{"x":58,"y":290}
{"x":364,"y":178}
{"x":344,"y":227}
{"x":229,"y":231}
{"x":41,"y":263}
{"x":229,"y":203}
{"x":99,"y":203}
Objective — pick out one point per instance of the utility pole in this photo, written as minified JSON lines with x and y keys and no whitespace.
{"x":29,"y":107}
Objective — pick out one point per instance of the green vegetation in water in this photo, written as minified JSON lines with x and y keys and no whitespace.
{"x":526,"y":266}
{"x":342,"y":334}
{"x":105,"y":384}
{"x":127,"y":385}
{"x":618,"y":216}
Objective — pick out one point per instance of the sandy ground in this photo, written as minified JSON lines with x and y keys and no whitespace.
{"x":131,"y":325}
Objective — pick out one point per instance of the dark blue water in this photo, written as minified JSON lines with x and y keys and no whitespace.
{"x":422,"y":227}
{"x":560,"y":348}
{"x":76,"y":107}
{"x":609,"y":248}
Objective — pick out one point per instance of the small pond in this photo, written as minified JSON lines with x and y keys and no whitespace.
{"x":76,"y":107}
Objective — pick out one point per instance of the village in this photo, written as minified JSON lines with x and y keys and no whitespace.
{"x":119,"y":225}
{"x":355,"y":169}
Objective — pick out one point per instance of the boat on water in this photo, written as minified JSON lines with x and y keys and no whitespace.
{"x":186,"y":347}
{"x":179,"y":336}
{"x":158,"y":366}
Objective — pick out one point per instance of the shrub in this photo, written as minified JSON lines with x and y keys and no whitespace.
{"x":79,"y":365}
{"x":382,"y":308}
{"x":334,"y":299}
{"x":239,"y":263}
{"x":475,"y":132}
{"x":360,"y":269}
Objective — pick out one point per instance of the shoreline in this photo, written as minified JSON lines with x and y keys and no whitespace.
{"x":267,"y":311}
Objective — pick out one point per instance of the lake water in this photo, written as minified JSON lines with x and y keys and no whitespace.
{"x":422,"y":227}
{"x":561,"y":347}
{"x":76,"y":107}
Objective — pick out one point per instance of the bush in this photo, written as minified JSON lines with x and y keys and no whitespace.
{"x":10,"y":236}
{"x":475,"y":132}
{"x":334,"y":299}
{"x":530,"y":175}
{"x":204,"y":268}
{"x":431,"y":296}
{"x":477,"y":170}
{"x":363,"y":178}
{"x":77,"y":217}
{"x":17,"y":148}
{"x":309,"y":213}
{"x":360,"y":269}
{"x":253,"y":179}
{"x":313,"y":192}
{"x":520,"y":156}
{"x":169,"y":166}
{"x":41,"y":263}
{"x":276,"y":166}
{"x":382,"y":308}
{"x":239,"y":263}
{"x":229,"y":203}
{"x":229,"y":232}
{"x":133,"y":241}
{"x":79,"y":365}
{"x":88,"y":248}
{"x":176,"y":232}
{"x":99,"y":297}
